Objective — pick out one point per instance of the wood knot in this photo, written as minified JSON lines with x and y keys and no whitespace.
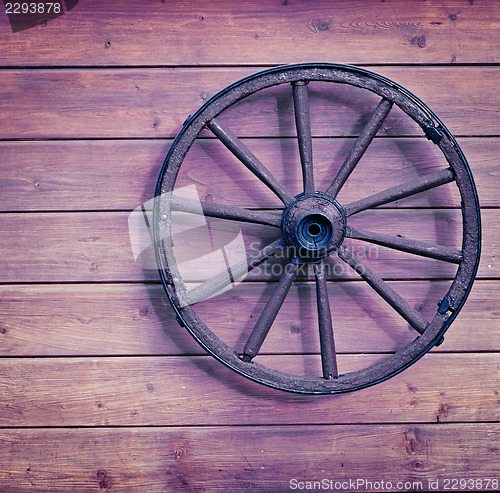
{"x":443,"y":410}
{"x":411,"y":388}
{"x":411,"y":443}
{"x":104,"y":479}
{"x":417,"y":465}
{"x":179,"y":451}
{"x":145,"y":311}
{"x":419,"y":41}
{"x":319,"y":25}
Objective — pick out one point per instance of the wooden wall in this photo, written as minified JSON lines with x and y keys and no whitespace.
{"x":99,"y":387}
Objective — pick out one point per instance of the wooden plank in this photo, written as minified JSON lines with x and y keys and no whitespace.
{"x":120,"y":175}
{"x":188,"y":391}
{"x":81,"y":320}
{"x":439,"y":227}
{"x":240,"y":458}
{"x":67,"y":247}
{"x":483,"y":169}
{"x":154,"y":103}
{"x":96,"y":247}
{"x":76,"y":175}
{"x":219,"y":176}
{"x":220,"y":33}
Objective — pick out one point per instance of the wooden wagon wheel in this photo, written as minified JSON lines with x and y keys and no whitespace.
{"x":314,"y":225}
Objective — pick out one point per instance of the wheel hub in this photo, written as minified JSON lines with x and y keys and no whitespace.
{"x":313,"y":226}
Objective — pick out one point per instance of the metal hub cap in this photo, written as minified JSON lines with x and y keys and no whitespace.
{"x":313,"y":226}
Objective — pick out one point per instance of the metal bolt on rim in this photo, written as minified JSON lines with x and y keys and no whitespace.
{"x":315,"y":225}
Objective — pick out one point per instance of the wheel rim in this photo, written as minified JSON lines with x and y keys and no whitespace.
{"x":314,"y":225}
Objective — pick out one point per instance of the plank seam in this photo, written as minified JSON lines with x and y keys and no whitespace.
{"x":236,"y":66}
{"x":257,"y":425}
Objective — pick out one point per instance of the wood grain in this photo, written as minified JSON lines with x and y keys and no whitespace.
{"x":120,"y":175}
{"x":153,"y":103}
{"x":110,"y":319}
{"x":96,"y":247}
{"x":240,"y":458}
{"x":188,"y":391}
{"x":100,"y":389}
{"x":224,"y":33}
{"x":79,"y":175}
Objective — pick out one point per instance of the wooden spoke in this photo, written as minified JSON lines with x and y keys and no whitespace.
{"x":362,"y":142}
{"x":213,"y":209}
{"x":303,"y":123}
{"x":270,"y":311}
{"x":410,"y":246}
{"x":244,"y":154}
{"x":236,"y":271}
{"x":401,"y":191}
{"x":384,"y":290}
{"x":327,"y":343}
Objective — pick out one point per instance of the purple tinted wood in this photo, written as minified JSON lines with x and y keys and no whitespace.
{"x":303,"y":124}
{"x":401,"y":191}
{"x":236,"y":271}
{"x":222,"y":211}
{"x":410,"y":246}
{"x":270,"y":311}
{"x":244,"y":154}
{"x":326,"y":338}
{"x":362,"y":142}
{"x":384,"y":290}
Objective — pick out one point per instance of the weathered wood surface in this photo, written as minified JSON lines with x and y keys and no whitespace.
{"x":153,"y":103}
{"x":96,"y":246}
{"x":135,"y":319}
{"x":277,"y":32}
{"x":120,"y":175}
{"x":188,"y":391}
{"x":100,"y":389}
{"x":239,"y":458}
